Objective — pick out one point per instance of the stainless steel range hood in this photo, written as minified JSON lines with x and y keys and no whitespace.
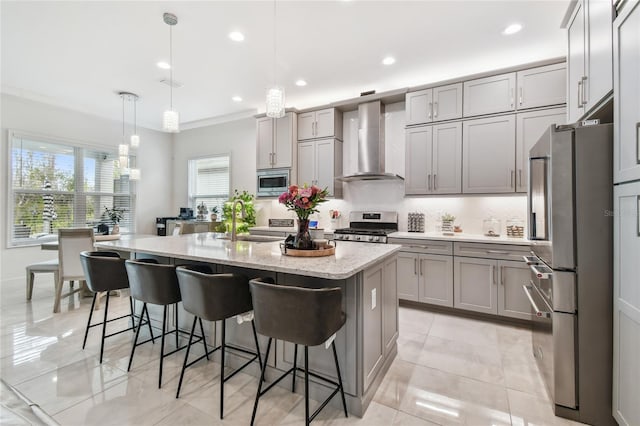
{"x":371,"y":145}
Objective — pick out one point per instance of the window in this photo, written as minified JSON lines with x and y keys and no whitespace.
{"x":209,"y":182}
{"x":58,"y":185}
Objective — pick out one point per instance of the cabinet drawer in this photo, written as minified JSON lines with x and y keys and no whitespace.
{"x":491,"y":251}
{"x":424,"y":246}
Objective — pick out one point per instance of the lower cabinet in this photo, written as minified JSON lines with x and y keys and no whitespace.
{"x":426,"y":278}
{"x":491,"y":286}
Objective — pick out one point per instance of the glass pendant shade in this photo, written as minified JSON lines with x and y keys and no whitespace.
{"x":123,"y":150}
{"x":134,"y":174}
{"x":124,"y":162}
{"x":275,"y":102}
{"x":134,"y":141}
{"x":171,"y":121}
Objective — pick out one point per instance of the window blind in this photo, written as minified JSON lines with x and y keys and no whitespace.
{"x":209,"y":181}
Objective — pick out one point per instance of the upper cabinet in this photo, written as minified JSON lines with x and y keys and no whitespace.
{"x":275,"y":141}
{"x":319,"y":163}
{"x":626,"y":130}
{"x":324,"y":123}
{"x":542,"y":86}
{"x":490,"y":95}
{"x":436,"y":104}
{"x":590,"y":60}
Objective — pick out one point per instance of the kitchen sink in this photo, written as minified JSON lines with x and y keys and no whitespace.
{"x":255,"y":238}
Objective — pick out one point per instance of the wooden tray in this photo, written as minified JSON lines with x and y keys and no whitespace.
{"x":328,"y":251}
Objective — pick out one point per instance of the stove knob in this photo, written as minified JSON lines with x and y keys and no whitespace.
{"x":339,"y":237}
{"x":357,"y":238}
{"x":371,"y":238}
{"x":376,"y":239}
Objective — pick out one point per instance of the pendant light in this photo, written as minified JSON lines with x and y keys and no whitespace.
{"x":171,"y":118}
{"x":275,"y":93}
{"x":134,"y":140}
{"x":124,"y":149}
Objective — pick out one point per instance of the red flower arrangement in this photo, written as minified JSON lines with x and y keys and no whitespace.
{"x":303,"y":200}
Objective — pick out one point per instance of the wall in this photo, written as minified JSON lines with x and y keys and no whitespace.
{"x":154,"y":161}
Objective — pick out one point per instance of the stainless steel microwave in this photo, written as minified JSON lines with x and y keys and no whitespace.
{"x":272,"y":183}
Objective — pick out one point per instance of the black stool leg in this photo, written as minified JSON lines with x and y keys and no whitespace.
{"x":145,"y":310}
{"x":86,"y":331}
{"x":175,"y":306}
{"x":335,"y":357}
{"x":295,"y":365}
{"x":104,"y":326}
{"x":204,"y":340}
{"x":186,"y":355}
{"x":255,"y":337}
{"x":164,"y":324}
{"x":306,"y":385}
{"x":264,"y":368}
{"x":133,"y":318}
{"x":222,"y":368}
{"x":135,"y":341}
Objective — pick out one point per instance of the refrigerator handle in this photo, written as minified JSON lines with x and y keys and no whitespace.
{"x":538,"y":312}
{"x":638,"y":142}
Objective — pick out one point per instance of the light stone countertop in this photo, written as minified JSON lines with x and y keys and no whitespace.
{"x":289,"y":230}
{"x":349,"y":259}
{"x":461,"y":237}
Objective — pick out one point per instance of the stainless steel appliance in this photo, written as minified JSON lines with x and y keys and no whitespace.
{"x":272,"y":183}
{"x":571,"y":289}
{"x":368,"y":227}
{"x":161,"y":225}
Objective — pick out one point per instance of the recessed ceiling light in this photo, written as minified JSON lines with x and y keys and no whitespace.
{"x":301,"y":83}
{"x":236,"y":99}
{"x":163,"y":65}
{"x":512,"y":29}
{"x":236,"y":36}
{"x":389,"y":60}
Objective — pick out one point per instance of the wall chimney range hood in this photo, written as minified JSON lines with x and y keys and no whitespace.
{"x":371,"y":145}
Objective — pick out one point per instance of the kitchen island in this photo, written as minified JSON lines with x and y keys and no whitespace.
{"x":366,"y":273}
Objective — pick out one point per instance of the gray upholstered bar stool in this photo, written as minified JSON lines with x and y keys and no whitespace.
{"x":156,"y":284}
{"x":215,"y":297}
{"x":302,"y":316}
{"x":104,"y":271}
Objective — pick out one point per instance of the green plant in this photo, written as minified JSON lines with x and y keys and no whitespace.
{"x":215,"y":210}
{"x":448,"y":217}
{"x":114,"y":214}
{"x":249,"y":220}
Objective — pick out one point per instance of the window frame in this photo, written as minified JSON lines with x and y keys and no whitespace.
{"x":77,"y":205}
{"x":192,"y":179}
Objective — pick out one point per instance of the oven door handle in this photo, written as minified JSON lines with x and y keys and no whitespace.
{"x":541,"y":314}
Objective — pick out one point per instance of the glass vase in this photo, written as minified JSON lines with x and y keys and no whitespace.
{"x":303,"y":239}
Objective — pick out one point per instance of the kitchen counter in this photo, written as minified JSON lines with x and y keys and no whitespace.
{"x":271,"y":230}
{"x":461,"y":237}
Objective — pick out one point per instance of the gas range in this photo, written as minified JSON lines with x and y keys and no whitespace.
{"x":368,"y":227}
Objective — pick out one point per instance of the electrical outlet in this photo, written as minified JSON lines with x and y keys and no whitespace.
{"x":373,"y":299}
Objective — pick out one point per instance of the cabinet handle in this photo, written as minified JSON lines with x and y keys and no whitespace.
{"x":271,"y":158}
{"x":275,"y":160}
{"x":435,"y":180}
{"x":435,"y":110}
{"x":520,"y":100}
{"x":502,"y":276}
{"x":584,"y":93}
{"x":638,"y":142}
{"x":512,"y":175}
{"x":511,"y":96}
{"x":415,"y":266}
{"x":580,"y":94}
{"x":493,"y":274}
{"x":430,"y":112}
{"x":520,"y":177}
{"x":429,"y":182}
{"x":496,"y":252}
{"x":420,"y":266}
{"x":418,"y":247}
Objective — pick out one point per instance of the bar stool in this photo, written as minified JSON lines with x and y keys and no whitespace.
{"x":215,"y":297}
{"x":104,"y":271}
{"x":156,"y":284}
{"x":302,"y":316}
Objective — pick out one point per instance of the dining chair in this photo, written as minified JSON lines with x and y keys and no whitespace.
{"x":71,"y":242}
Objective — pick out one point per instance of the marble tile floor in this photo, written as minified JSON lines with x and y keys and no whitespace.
{"x":449,"y":371}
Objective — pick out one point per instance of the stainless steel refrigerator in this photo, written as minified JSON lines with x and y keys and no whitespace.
{"x":570,"y":221}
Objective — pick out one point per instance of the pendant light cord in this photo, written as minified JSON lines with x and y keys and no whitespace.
{"x":122,"y":96}
{"x":135,"y":116}
{"x":171,"y":66}
{"x":275,"y":80}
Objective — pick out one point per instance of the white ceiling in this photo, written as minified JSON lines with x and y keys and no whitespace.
{"x":78,"y":54}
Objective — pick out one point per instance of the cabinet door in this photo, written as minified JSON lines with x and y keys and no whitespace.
{"x":626,"y":133}
{"x":325,"y":166}
{"x":474,"y":284}
{"x":626,"y":304}
{"x":418,"y":160}
{"x":284,"y":141}
{"x":264,"y":143}
{"x":529,"y":127}
{"x":390,"y":305}
{"x":446,"y":163}
{"x":306,"y":163}
{"x":599,"y":52}
{"x":575,"y":64}
{"x":325,"y":123}
{"x":542,"y":86}
{"x":436,"y":280}
{"x":306,"y":125}
{"x":419,"y":107}
{"x":447,"y":102}
{"x":512,"y":301}
{"x":373,"y":279}
{"x":489,"y":95}
{"x":488,"y":155}
{"x":408,"y":276}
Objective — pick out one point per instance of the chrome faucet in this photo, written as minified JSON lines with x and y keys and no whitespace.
{"x":243,"y":212}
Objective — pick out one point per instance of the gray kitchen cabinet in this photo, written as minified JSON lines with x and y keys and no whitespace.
{"x":590,"y":56}
{"x":324,"y":123}
{"x":529,"y":127}
{"x":373,"y":351}
{"x":488,"y":155}
{"x":626,"y":303}
{"x":436,"y":279}
{"x":542,"y":86}
{"x":511,"y":300}
{"x":475,"y":283}
{"x":276,"y":141}
{"x":435,"y":104}
{"x":319,"y":163}
{"x":489,"y":95}
{"x":434,"y":159}
{"x":390,"y":306}
{"x":408,"y":276}
{"x":626,"y":133}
